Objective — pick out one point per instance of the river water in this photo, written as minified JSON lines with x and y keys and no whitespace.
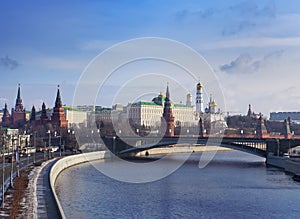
{"x":233,"y":185}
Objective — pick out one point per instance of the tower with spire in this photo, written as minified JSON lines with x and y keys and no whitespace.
{"x":18,"y":113}
{"x":199,"y":99}
{"x":58,"y":118}
{"x":6,"y":120}
{"x":44,"y":118}
{"x":261,"y":131}
{"x":249,"y":113}
{"x":168,"y":118}
{"x":32,"y":115}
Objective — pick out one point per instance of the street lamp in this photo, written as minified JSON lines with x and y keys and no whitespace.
{"x":12,"y":162}
{"x":3,"y":170}
{"x":34,"y":144}
{"x":49,"y":146}
{"x":114,"y":144}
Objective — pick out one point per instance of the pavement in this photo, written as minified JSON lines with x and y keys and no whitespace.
{"x":46,"y":207}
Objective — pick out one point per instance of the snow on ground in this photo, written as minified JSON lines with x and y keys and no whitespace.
{"x":30,"y":202}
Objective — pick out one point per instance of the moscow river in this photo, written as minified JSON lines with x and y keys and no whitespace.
{"x":233,"y":185}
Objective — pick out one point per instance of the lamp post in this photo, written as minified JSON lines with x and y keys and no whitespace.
{"x":49,"y":146}
{"x":3,"y":171}
{"x":34,"y":144}
{"x":114,"y":144}
{"x":12,"y":162}
{"x":278,"y":145}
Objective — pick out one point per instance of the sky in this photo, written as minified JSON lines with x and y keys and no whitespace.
{"x":253,"y":48}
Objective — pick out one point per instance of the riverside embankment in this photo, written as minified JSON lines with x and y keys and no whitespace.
{"x":66,"y":162}
{"x":185,"y":148}
{"x":290,"y":165}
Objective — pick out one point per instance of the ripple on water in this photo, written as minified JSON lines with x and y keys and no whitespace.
{"x":233,"y":185}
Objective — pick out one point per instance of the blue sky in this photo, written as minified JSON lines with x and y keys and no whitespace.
{"x":253,"y":46}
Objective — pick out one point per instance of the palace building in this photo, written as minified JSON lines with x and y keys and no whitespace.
{"x":150,"y":113}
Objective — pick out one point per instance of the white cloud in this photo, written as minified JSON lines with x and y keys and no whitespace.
{"x":259,"y":42}
{"x":244,"y":63}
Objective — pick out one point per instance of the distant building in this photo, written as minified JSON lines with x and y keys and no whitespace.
{"x":281,"y":116}
{"x":149,"y":113}
{"x":85,"y":108}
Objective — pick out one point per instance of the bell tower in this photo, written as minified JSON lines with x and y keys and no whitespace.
{"x":199,"y":99}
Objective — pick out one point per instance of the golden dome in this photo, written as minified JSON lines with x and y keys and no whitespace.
{"x":214,"y":104}
{"x":189,"y":95}
{"x":199,"y":86}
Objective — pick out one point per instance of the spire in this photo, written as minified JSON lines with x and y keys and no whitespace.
{"x":261,"y":131}
{"x":43,"y":106}
{"x":32,"y":116}
{"x":58,"y":102}
{"x":19,"y":92}
{"x":168,"y":92}
{"x":19,"y":104}
{"x":249,"y":111}
{"x":44,"y":117}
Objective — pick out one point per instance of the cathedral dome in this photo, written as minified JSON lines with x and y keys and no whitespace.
{"x":199,"y":86}
{"x":159,"y":100}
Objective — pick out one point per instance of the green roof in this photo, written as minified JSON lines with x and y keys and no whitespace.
{"x":71,"y":108}
{"x":145,"y":103}
{"x":181,"y":105}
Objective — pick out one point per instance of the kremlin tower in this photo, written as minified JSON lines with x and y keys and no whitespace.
{"x":199,"y":99}
{"x":168,"y":117}
{"x":32,"y":115}
{"x":44,"y":118}
{"x":6,"y":116}
{"x":58,"y":118}
{"x":18,"y":113}
{"x":261,"y":131}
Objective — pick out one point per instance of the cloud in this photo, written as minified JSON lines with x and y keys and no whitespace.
{"x":240,"y":27}
{"x":248,"y":15}
{"x":254,"y":43}
{"x":189,"y":15}
{"x":8,"y":63}
{"x":250,"y":8}
{"x":245,"y":64}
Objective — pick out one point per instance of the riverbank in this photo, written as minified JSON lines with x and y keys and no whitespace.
{"x":290,"y":165}
{"x":183,"y":148}
{"x":67,"y":162}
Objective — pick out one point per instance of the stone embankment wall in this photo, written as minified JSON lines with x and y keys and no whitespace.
{"x":181,"y":149}
{"x":291,"y":165}
{"x":69,"y":161}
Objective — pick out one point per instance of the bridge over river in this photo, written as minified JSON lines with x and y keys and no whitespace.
{"x":129,"y":146}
